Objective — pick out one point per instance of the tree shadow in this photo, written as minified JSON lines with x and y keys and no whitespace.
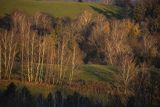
{"x":5,"y":22}
{"x":108,"y":13}
{"x":97,"y":74}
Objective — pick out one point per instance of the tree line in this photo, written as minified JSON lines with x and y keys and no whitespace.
{"x":15,"y":97}
{"x":36,"y":48}
{"x":45,"y":49}
{"x":22,"y":97}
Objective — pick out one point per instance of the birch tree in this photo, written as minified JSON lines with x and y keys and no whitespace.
{"x":50,"y":60}
{"x":116,"y":44}
{"x":40,"y":62}
{"x":22,"y":25}
{"x":127,"y":74}
{"x":38,"y":57}
{"x":9,"y":51}
{"x":75,"y":53}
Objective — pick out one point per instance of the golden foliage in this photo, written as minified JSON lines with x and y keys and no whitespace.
{"x":85,"y":18}
{"x":134,"y":29}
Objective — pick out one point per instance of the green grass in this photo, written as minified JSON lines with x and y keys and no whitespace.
{"x":88,"y":72}
{"x":57,"y":8}
{"x":94,"y":72}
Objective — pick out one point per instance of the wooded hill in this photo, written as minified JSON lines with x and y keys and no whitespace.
{"x":103,"y":54}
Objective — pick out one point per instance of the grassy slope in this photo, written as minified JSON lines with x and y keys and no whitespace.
{"x":56,"y":8}
{"x":90,"y":72}
{"x":93,"y":72}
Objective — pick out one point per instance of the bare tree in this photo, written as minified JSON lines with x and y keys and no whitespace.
{"x":127,"y":74}
{"x":50,"y":60}
{"x":38,"y":60}
{"x":21,"y":24}
{"x":125,"y":78}
{"x":42,"y":60}
{"x":9,"y":51}
{"x":76,"y":59}
{"x":149,"y":48}
{"x":73,"y":52}
{"x":85,"y":18}
{"x":43,"y":25}
{"x":116,"y":42}
{"x":63,"y":53}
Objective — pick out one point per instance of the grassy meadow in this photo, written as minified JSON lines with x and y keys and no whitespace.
{"x":57,"y":8}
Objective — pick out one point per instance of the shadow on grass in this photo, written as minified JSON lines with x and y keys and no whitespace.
{"x":99,"y":74}
{"x":118,"y":14}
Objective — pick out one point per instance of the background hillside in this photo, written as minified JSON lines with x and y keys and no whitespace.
{"x":56,"y":8}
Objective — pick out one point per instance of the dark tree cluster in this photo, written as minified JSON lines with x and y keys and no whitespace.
{"x":15,"y":97}
{"x":148,"y":11}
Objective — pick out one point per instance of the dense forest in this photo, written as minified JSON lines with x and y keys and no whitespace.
{"x":42,"y":49}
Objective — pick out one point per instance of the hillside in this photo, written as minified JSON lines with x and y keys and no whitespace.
{"x":95,"y":72}
{"x":63,"y":53}
{"x":90,"y":74}
{"x":57,"y":8}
